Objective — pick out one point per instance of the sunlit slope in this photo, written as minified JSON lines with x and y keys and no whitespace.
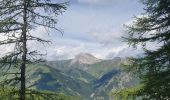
{"x":79,"y":76}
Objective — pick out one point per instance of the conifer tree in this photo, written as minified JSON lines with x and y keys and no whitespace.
{"x":154,"y":66}
{"x":17,"y":19}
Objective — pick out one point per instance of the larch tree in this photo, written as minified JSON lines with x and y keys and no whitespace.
{"x":153,"y":67}
{"x":17,"y":19}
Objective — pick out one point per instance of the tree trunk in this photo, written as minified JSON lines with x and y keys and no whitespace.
{"x":24,"y":55}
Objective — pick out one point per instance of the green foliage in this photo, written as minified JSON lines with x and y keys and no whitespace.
{"x":8,"y":94}
{"x":45,"y":77}
{"x":12,"y":94}
{"x":17,"y":19}
{"x":153,"y":67}
{"x":75,"y":82}
{"x":129,"y":93}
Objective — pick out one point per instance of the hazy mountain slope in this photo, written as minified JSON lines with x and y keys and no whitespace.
{"x":79,"y":76}
{"x":115,"y":79}
{"x":55,"y":80}
{"x":100,"y":68}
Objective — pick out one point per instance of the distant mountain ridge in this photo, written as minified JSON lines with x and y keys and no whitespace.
{"x":84,"y":76}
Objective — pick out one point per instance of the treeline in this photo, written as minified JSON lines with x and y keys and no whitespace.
{"x":13,"y":94}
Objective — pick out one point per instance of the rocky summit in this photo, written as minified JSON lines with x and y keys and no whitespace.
{"x":85,"y":58}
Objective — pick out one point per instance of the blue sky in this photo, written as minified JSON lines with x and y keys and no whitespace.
{"x":93,"y":26}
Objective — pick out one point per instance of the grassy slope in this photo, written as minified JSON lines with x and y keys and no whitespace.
{"x":76,"y":79}
{"x":55,"y":80}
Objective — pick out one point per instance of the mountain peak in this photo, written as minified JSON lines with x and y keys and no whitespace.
{"x":85,"y":58}
{"x":84,"y":55}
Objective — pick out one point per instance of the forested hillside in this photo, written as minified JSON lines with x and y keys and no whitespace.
{"x":79,"y":79}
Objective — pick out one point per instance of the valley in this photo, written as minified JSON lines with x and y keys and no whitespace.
{"x":84,"y":76}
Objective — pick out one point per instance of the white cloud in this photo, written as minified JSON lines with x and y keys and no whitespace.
{"x":91,"y":30}
{"x":6,"y":48}
{"x":92,"y":1}
{"x":67,"y":48}
{"x":106,"y":2}
{"x":94,"y":30}
{"x":108,"y":37}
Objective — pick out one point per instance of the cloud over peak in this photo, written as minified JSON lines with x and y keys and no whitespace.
{"x":94,"y":2}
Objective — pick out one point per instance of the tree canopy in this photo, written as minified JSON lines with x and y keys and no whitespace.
{"x":17,"y":19}
{"x":153,"y":67}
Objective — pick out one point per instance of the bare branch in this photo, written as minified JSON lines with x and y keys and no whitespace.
{"x":10,"y":30}
{"x":52,"y":27}
{"x":9,"y":41}
{"x":29,"y":37}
